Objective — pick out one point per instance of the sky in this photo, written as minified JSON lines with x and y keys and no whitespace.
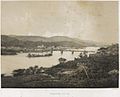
{"x":96,"y":21}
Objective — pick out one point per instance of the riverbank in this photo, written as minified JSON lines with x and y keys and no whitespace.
{"x":98,"y":70}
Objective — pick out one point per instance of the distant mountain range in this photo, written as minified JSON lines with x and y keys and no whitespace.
{"x":57,"y":40}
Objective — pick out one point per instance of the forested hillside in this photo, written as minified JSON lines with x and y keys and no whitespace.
{"x":34,"y":41}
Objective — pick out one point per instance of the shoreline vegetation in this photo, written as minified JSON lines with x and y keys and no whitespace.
{"x":8,"y":52}
{"x":96,"y":70}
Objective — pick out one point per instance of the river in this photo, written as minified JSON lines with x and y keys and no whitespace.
{"x":20,"y":61}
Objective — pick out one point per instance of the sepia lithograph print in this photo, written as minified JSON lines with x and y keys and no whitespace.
{"x":59,"y":44}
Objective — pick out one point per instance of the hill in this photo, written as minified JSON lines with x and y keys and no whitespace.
{"x":13,"y":40}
